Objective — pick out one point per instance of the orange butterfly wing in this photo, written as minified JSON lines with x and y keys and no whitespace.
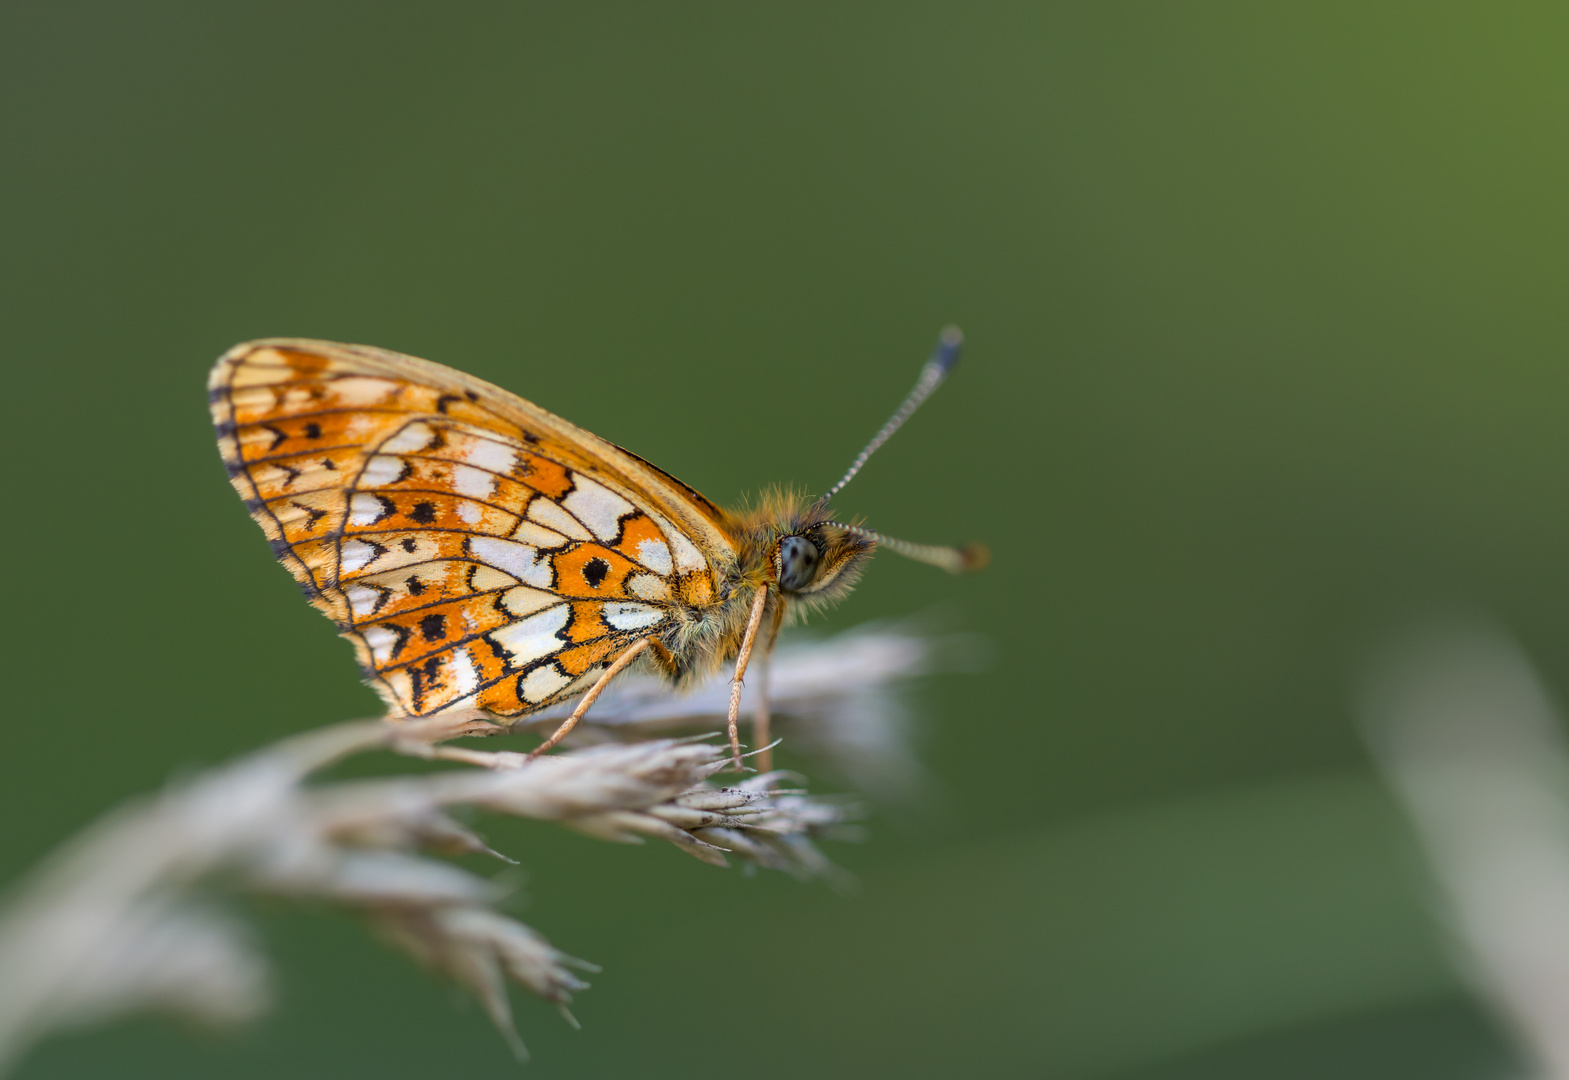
{"x":477,"y":550}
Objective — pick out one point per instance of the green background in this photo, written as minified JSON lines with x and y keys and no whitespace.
{"x":1266,"y":354}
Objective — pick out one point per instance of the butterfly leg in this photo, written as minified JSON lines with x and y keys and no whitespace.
{"x":762,"y":730}
{"x":753,"y":621}
{"x":631,"y":654}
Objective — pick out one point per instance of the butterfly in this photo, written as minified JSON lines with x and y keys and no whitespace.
{"x":488,"y":559}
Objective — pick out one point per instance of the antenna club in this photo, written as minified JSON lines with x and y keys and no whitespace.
{"x":975,"y":557}
{"x":949,"y":342}
{"x":933,"y":372}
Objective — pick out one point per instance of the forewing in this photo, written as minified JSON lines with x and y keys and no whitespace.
{"x":477,"y":550}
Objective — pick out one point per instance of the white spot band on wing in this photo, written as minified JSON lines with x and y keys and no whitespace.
{"x":365,"y":509}
{"x":475,"y":483}
{"x":523,"y":600}
{"x":543,"y":681}
{"x":551,"y":516}
{"x":262,"y":367}
{"x":538,"y":535}
{"x":489,"y":454}
{"x":486,"y":578}
{"x":380,"y":471}
{"x":687,"y":557}
{"x":465,"y":675}
{"x":632,"y":616}
{"x":417,"y":436}
{"x":355,"y":554}
{"x":362,"y":601}
{"x":380,"y":641}
{"x":533,"y":637}
{"x":519,"y":560}
{"x":654,"y":555}
{"x":648,"y":587}
{"x":596,"y":506}
{"x":361,"y":390}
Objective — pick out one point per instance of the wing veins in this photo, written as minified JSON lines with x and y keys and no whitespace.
{"x":614,"y":635}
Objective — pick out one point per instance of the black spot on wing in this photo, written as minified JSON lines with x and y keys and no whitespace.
{"x":433,"y":627}
{"x":423,"y":512}
{"x":499,"y":651}
{"x":594,"y":572}
{"x":423,"y":678}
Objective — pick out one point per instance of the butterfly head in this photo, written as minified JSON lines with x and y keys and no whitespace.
{"x":792,"y":543}
{"x":793,"y":547}
{"x":955,"y":560}
{"x":821,"y":561}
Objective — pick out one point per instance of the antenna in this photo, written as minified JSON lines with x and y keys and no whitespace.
{"x":952,"y":559}
{"x":943,"y":358}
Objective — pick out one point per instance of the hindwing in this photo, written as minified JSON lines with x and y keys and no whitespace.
{"x":477,"y":550}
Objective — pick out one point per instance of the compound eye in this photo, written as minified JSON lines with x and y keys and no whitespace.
{"x":797,"y":560}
